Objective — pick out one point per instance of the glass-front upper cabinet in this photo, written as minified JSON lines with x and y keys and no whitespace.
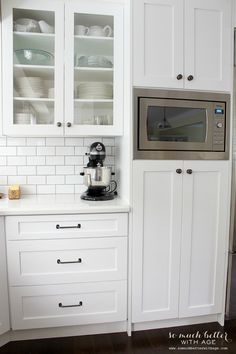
{"x":33,"y":65}
{"x":93,"y":68}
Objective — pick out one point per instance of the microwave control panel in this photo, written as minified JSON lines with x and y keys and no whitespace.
{"x":219,"y":127}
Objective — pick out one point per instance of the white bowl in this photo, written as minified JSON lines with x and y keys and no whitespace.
{"x":26,"y":25}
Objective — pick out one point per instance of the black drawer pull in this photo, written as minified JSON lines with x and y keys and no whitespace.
{"x":69,"y":262}
{"x":65,"y":306}
{"x":68,"y":227}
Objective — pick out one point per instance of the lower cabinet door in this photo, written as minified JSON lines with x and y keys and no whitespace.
{"x":204,"y":237}
{"x":67,"y":305}
{"x":157,"y":210}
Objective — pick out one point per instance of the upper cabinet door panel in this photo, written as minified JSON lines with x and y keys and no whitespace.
{"x":158,"y":43}
{"x":33,"y":64}
{"x":208,"y":38}
{"x":93,"y":68}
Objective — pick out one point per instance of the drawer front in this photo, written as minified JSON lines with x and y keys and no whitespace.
{"x":67,"y":305}
{"x":66,"y":226}
{"x":39,"y":262}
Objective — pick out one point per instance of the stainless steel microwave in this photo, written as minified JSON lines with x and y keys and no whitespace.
{"x":181,"y":125}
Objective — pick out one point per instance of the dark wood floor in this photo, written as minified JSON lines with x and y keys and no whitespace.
{"x":143,"y":342}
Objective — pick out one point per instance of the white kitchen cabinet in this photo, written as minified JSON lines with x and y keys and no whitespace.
{"x":93,"y":69}
{"x":4,"y":306}
{"x":158,"y":43}
{"x":204,"y":237}
{"x":75,"y":87}
{"x":67,"y":270}
{"x":179,"y":238}
{"x":182,"y":44}
{"x":157,"y":200}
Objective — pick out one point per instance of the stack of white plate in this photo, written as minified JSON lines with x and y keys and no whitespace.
{"x":22,"y":118}
{"x":30,"y":87}
{"x":95,"y":90}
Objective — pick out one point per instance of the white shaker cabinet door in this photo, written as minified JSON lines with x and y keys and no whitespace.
{"x":204,"y":237}
{"x":4,"y":307}
{"x":208,"y":45}
{"x":158,"y":43}
{"x":157,"y":204}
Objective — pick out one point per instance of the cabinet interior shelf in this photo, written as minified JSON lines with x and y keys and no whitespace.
{"x":36,"y":99}
{"x":94,"y":38}
{"x":93,"y":74}
{"x":34,"y":34}
{"x":46,"y":72}
{"x":88,"y":100}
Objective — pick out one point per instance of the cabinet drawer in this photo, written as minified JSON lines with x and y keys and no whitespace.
{"x":67,"y":305}
{"x":66,"y":226}
{"x":36,"y":262}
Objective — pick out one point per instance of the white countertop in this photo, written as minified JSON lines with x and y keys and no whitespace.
{"x":60,"y":204}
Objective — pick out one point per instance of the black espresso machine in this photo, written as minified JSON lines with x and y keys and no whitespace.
{"x":98,"y":178}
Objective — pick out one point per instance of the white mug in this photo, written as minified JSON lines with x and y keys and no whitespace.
{"x":81,"y":30}
{"x":45,"y":27}
{"x":99,"y":31}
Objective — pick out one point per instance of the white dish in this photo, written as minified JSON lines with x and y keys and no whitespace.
{"x":26,"y":25}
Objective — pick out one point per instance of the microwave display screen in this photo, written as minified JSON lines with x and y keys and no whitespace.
{"x":177,"y":124}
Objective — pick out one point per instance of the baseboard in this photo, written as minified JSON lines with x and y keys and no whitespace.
{"x":4,"y":339}
{"x":174,"y":322}
{"x":70,"y":331}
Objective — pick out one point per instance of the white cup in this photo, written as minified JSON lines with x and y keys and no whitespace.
{"x":81,"y":30}
{"x":45,"y":27}
{"x":99,"y":31}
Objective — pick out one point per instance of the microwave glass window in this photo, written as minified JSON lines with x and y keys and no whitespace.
{"x":176,"y":124}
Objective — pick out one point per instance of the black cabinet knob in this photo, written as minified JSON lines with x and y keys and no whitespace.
{"x":179,"y":171}
{"x":179,"y":77}
{"x":189,"y":171}
{"x":81,"y":173}
{"x":190,"y":77}
{"x":59,"y":124}
{"x":68,"y":124}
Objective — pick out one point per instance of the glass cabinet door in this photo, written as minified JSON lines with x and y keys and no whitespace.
{"x":33,"y":67}
{"x":94,"y":69}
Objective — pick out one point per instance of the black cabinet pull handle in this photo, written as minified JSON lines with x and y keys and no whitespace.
{"x":65,"y":306}
{"x":179,"y":171}
{"x":68,"y":227}
{"x":190,"y":77}
{"x":59,"y":124}
{"x":81,"y":173}
{"x":189,"y":171}
{"x":69,"y":262}
{"x":68,"y":124}
{"x":179,"y":77}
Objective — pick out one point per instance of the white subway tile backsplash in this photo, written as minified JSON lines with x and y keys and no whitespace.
{"x":46,"y":170}
{"x":17,"y":180}
{"x":65,"y":170}
{"x":26,"y":151}
{"x":55,"y":179}
{"x":74,"y":179}
{"x":55,"y":160}
{"x":64,"y":189}
{"x":74,"y":141}
{"x":35,"y":160}
{"x":3,"y":180}
{"x":16,"y":141}
{"x":35,"y":141}
{"x":7,"y":151}
{"x":46,"y":189}
{"x":65,"y":150}
{"x":8,"y":171}
{"x":46,"y":150}
{"x":26,"y":170}
{"x":55,"y":141}
{"x":74,"y":160}
{"x":47,"y":165}
{"x":36,"y":179}
{"x":3,"y":160}
{"x":28,"y":189}
{"x":16,"y":160}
